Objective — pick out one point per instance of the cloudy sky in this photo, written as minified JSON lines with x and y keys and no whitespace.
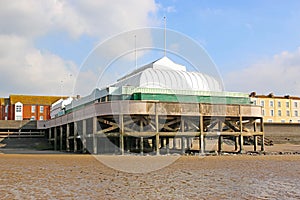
{"x":255,"y":44}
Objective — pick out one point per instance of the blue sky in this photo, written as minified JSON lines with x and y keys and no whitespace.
{"x":236,"y":32}
{"x":255,"y":44}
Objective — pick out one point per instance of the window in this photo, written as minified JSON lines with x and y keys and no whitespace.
{"x":272,"y":112}
{"x":18,"y":108}
{"x":41,"y":109}
{"x":282,"y":121}
{"x":279,"y":104}
{"x":5,"y":118}
{"x":263,"y":112}
{"x":18,"y":118}
{"x":254,"y":102}
{"x":296,"y":113}
{"x":41,"y":117}
{"x":295,"y":104}
{"x":262,"y":103}
{"x":33,"y":109}
{"x":279,"y":113}
{"x":32,"y":118}
{"x":6,"y":109}
{"x":287,"y":104}
{"x":270,"y":120}
{"x":271,"y":103}
{"x":287,"y":113}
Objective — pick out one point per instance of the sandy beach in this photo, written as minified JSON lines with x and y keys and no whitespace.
{"x":62,"y":176}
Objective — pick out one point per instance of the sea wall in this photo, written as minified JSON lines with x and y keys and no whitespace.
{"x":283,"y":133}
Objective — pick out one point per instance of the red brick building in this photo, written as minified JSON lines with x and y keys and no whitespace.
{"x":26,"y":107}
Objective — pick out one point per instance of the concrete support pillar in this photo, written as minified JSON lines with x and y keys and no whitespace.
{"x":201,"y":137}
{"x":142,"y":138}
{"x":153,"y":144}
{"x":67,"y":138}
{"x":168,"y":145}
{"x":174,"y":143}
{"x":220,"y":141}
{"x":142,"y":145}
{"x":50,"y":135}
{"x":220,"y":125}
{"x":182,"y":125}
{"x":241,"y":143}
{"x":236,"y":143}
{"x":55,"y":138}
{"x":60,"y":138}
{"x":157,"y":129}
{"x":188,"y":143}
{"x":75,"y":136}
{"x":117,"y":147}
{"x":121,"y":127}
{"x":83,"y":139}
{"x":157,"y":143}
{"x":255,"y":126}
{"x":220,"y":138}
{"x":202,"y":144}
{"x":263,"y":135}
{"x":255,"y":142}
{"x":137,"y":145}
{"x":254,"y":136}
{"x":95,"y":123}
{"x":182,"y":145}
{"x":128,"y":143}
{"x":241,"y":137}
{"x":162,"y":142}
{"x":262,"y":143}
{"x":182,"y":138}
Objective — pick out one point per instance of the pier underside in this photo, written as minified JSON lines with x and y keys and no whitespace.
{"x":145,"y":127}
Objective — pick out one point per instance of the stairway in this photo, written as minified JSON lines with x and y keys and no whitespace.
{"x":267,"y":141}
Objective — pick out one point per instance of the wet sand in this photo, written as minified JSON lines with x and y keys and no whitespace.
{"x":189,"y":177}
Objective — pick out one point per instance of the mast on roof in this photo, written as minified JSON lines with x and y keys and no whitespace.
{"x":135,"y":52}
{"x":165,"y":35}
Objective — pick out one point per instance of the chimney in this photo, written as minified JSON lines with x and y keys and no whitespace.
{"x":252,"y":94}
{"x":271,"y":94}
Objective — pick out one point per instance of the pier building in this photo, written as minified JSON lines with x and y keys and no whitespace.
{"x":158,"y":108}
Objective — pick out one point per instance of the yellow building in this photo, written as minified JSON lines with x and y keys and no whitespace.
{"x":278,"y":109}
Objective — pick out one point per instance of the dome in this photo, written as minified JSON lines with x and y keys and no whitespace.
{"x":166,"y":74}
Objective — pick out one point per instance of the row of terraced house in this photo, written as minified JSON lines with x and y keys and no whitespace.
{"x":278,"y":109}
{"x":26,"y":107}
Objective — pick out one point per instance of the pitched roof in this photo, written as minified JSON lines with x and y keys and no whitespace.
{"x":34,"y":100}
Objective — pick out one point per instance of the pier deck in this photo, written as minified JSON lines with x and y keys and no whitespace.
{"x":149,"y":127}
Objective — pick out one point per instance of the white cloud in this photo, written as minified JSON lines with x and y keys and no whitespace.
{"x":170,"y":9}
{"x":279,"y":74}
{"x":96,"y":18}
{"x":26,"y":69}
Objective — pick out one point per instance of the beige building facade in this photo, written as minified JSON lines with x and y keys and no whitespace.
{"x":278,"y":109}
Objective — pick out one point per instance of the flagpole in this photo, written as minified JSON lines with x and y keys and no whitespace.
{"x":135,"y":52}
{"x":165,"y":35}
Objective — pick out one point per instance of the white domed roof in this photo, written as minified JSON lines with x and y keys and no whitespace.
{"x":166,"y":74}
